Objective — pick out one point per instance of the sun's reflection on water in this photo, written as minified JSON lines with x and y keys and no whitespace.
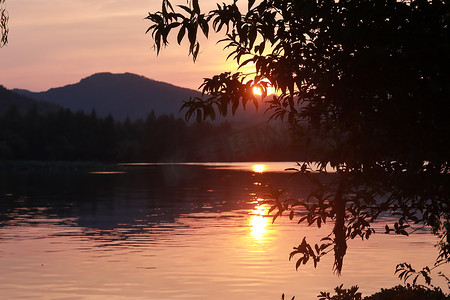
{"x":259,"y":168}
{"x":259,"y":222}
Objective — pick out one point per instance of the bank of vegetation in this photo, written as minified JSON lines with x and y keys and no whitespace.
{"x":68,"y":136}
{"x":399,"y":292}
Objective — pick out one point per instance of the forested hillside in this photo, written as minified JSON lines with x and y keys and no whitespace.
{"x":23,"y":103}
{"x":130,"y":96}
{"x":120,"y":95}
{"x":68,"y":136}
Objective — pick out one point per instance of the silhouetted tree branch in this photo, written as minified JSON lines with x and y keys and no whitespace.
{"x":3,"y":24}
{"x":363,"y":85}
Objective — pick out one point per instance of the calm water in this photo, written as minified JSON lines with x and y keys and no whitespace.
{"x":173,"y":232}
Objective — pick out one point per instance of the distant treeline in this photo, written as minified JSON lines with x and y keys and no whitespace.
{"x":69,"y":136}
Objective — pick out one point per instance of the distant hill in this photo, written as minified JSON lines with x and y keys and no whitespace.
{"x":126,"y":95}
{"x":121,"y":95}
{"x":23,"y":103}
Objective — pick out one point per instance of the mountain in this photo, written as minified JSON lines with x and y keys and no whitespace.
{"x":121,"y":95}
{"x":133,"y":96}
{"x":23,"y":103}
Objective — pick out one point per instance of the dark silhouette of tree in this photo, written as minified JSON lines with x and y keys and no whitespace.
{"x":107,"y":138}
{"x":363,"y":85}
{"x":13,"y":142}
{"x":68,"y":136}
{"x":33,"y":134}
{"x":3,"y":24}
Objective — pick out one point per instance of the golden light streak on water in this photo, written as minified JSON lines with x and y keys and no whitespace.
{"x":259,"y":168}
{"x":259,"y":223}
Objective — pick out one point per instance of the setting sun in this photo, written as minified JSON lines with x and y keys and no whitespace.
{"x":258,"y":91}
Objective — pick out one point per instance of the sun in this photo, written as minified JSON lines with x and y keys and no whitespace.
{"x":257,"y":91}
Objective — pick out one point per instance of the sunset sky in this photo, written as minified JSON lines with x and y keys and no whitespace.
{"x":53,"y":43}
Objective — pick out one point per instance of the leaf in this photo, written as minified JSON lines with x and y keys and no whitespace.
{"x":199,"y":115}
{"x":272,"y":208}
{"x":185,"y":8}
{"x":324,"y":246}
{"x":205,"y":27}
{"x":252,"y":34}
{"x":291,"y":215}
{"x":261,"y":47}
{"x":195,"y":51}
{"x":250,"y":4}
{"x":195,"y":6}
{"x":299,"y":262}
{"x":169,"y":5}
{"x":403,"y":232}
{"x":275,"y":217}
{"x":246,"y":62}
{"x":181,"y":34}
{"x":192,"y":35}
{"x":302,"y":219}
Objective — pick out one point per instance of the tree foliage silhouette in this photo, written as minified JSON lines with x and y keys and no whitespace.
{"x":363,"y":85}
{"x":68,"y":136}
{"x":3,"y":24}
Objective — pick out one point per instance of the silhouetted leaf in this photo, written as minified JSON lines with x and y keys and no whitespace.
{"x":181,"y":34}
{"x":291,"y":215}
{"x":185,"y":8}
{"x":250,"y":4}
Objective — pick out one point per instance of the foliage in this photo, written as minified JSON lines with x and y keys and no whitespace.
{"x":68,"y":136}
{"x":363,"y":85}
{"x":3,"y":24}
{"x":405,"y":271}
{"x":39,"y":135}
{"x":282,"y":297}
{"x":408,"y":293}
{"x":341,"y":294}
{"x":396,"y":293}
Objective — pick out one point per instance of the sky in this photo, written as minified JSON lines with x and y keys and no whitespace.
{"x":53,"y":43}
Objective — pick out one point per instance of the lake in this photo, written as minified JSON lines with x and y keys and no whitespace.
{"x":158,"y":231}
